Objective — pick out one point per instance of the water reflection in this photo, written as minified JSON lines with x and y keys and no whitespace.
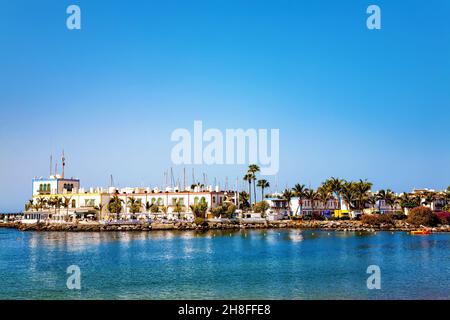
{"x":252,"y":264}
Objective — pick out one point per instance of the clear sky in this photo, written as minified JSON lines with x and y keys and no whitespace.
{"x":349,"y":102}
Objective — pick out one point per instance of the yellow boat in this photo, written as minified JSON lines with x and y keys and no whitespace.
{"x":418,"y":232}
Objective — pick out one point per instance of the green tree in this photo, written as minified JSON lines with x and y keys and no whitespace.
{"x":41,"y":203}
{"x":178,"y":208}
{"x":199,"y":209}
{"x":311,"y":195}
{"x":407,"y":200}
{"x":361,"y":191}
{"x":336,"y":186}
{"x":348,"y":195}
{"x":29,"y":205}
{"x":244,"y":200}
{"x":249,"y":177}
{"x":324,"y":194}
{"x":148,"y":206}
{"x":231,"y":209}
{"x":54,"y":202}
{"x":134,"y":205}
{"x":263,"y":184}
{"x":372,"y":200}
{"x":287,"y":195}
{"x":154,"y":208}
{"x":115,"y":205}
{"x":388,"y":196}
{"x":299,"y":191}
{"x":66,"y":204}
{"x":261,"y":207}
{"x":429,"y":197}
{"x":99,"y":210}
{"x":253,"y":169}
{"x":163,"y":209}
{"x":219,"y":211}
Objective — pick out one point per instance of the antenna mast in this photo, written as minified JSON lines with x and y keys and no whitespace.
{"x":172,"y":181}
{"x":236,"y":195}
{"x":51,"y":164}
{"x":63,"y":160}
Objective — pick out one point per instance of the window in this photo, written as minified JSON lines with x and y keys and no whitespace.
{"x":44,"y":187}
{"x":74,"y":204}
{"x":174,"y":201}
{"x":195,"y":200}
{"x":68,"y":186}
{"x":89,"y":202}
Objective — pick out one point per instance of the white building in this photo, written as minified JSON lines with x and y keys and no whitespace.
{"x":279,"y":207}
{"x":58,"y":199}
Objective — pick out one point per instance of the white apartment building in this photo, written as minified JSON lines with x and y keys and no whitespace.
{"x":93,"y":202}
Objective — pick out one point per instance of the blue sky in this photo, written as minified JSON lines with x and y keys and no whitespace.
{"x":349,"y":102}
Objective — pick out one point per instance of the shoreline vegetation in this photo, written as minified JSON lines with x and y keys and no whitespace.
{"x":328,"y":225}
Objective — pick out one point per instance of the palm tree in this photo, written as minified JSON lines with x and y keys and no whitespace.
{"x":51,"y":202}
{"x":405,"y":200}
{"x":178,"y":208}
{"x":249,"y":178}
{"x":372,"y":200}
{"x":348,"y":194}
{"x":199,"y":209}
{"x":263,"y":184}
{"x":324,"y":194}
{"x":299,"y":191}
{"x":336,"y":186}
{"x":429,"y":197}
{"x":115,"y":205}
{"x":66,"y":204}
{"x":244,"y":199}
{"x":362,"y":189}
{"x":447,"y":196}
{"x":287,"y":195}
{"x":41,"y":203}
{"x":154,"y":209}
{"x":148,"y":206}
{"x":163,"y":209}
{"x":133,"y":204}
{"x":387,"y":196}
{"x":99,"y":208}
{"x":311,"y":195}
{"x":29,"y":205}
{"x":254,"y":169}
{"x":58,"y":203}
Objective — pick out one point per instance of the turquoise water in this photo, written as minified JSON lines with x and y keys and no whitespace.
{"x":257,"y":264}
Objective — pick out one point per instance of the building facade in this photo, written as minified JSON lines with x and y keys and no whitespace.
{"x":57,"y":199}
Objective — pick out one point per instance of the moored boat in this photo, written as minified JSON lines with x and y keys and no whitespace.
{"x":420,"y":232}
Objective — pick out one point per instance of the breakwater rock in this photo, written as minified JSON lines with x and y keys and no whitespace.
{"x":348,"y":225}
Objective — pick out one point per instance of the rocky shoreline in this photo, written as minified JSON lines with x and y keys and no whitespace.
{"x":342,"y":225}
